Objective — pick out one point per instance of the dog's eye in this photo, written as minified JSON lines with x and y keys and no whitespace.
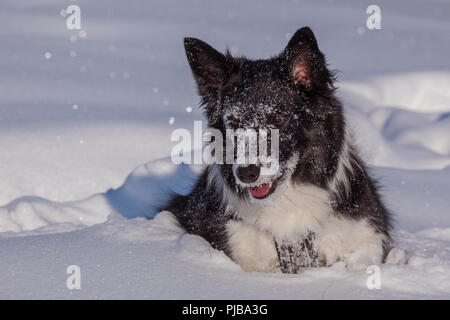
{"x":234,"y":123}
{"x":276,"y":120}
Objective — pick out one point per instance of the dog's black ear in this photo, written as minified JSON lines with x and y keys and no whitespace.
{"x":209,"y":67}
{"x":304,"y":61}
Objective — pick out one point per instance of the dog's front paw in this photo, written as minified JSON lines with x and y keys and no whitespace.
{"x":298,"y":254}
{"x":396,"y":256}
{"x":361,"y":259}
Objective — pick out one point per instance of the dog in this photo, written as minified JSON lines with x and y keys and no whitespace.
{"x":321,"y":206}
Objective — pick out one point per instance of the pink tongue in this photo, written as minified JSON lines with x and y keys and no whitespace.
{"x":260,"y":191}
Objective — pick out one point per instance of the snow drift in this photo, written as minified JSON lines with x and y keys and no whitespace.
{"x":85,"y":137}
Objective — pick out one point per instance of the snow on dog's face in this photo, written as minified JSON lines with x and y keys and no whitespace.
{"x":280,"y":94}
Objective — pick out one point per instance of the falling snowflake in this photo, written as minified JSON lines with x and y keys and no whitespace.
{"x":361,"y":30}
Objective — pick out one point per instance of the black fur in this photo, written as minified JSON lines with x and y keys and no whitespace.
{"x":202,"y":213}
{"x":294,"y":257}
{"x":298,"y":87}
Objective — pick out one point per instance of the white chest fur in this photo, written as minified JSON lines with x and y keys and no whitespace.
{"x":299,"y":210}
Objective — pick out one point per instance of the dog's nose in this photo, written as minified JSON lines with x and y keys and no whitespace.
{"x":248,"y":174}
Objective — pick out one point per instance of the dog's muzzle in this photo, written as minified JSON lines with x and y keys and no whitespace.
{"x":248,"y":174}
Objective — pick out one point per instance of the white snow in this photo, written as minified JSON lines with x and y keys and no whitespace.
{"x":85,"y":140}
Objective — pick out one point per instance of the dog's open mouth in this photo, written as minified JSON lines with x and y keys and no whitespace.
{"x":264,"y":190}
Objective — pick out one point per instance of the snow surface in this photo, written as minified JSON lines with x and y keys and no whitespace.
{"x":85,"y":133}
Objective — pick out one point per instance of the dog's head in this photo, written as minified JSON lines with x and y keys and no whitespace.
{"x":286,"y":92}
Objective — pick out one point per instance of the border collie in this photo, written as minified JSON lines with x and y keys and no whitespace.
{"x":321,"y":206}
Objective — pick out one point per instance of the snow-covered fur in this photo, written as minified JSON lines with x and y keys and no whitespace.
{"x":322,"y":205}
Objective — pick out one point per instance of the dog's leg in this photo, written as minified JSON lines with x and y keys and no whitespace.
{"x":251,"y":248}
{"x":353,"y":241}
{"x":294,"y":256}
